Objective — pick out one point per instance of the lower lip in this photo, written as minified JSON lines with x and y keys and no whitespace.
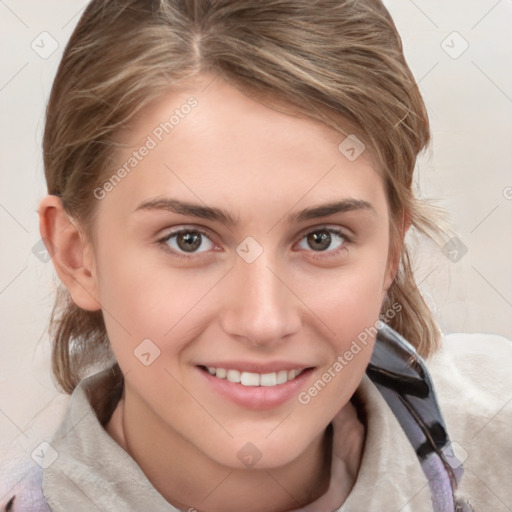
{"x":258,"y":398}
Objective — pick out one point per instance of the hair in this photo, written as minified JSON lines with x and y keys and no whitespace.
{"x":337,"y":61}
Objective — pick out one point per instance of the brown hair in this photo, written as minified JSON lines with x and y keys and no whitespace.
{"x":337,"y":61}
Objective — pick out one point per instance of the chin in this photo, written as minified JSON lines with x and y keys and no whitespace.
{"x":260,"y":453}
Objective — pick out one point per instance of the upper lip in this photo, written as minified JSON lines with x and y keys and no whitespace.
{"x":247,"y":366}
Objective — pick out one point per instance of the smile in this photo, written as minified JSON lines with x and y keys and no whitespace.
{"x":254,"y":379}
{"x":259,"y":389}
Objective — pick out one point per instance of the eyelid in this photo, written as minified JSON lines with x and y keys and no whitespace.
{"x":186,"y":228}
{"x":347,"y":233}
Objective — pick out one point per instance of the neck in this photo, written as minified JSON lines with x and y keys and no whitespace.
{"x":190,"y":480}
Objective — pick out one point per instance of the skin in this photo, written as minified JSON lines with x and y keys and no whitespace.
{"x":294,"y":302}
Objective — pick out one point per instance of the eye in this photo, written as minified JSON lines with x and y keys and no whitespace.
{"x":186,"y":241}
{"x":321,"y":239}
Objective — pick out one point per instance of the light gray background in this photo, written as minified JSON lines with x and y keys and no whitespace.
{"x":467,"y":168}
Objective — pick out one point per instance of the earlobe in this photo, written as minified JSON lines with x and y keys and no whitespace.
{"x":71,"y":253}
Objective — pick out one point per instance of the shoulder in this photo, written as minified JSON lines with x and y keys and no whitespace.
{"x":472,"y":375}
{"x":473,"y":381}
{"x":476,"y":366}
{"x":20,"y":485}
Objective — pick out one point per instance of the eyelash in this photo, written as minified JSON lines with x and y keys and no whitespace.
{"x":333,"y":231}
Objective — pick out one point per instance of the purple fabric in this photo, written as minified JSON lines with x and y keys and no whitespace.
{"x":20,"y":487}
{"x":404,"y":381}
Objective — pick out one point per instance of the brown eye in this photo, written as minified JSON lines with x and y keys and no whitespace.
{"x":187,"y":241}
{"x":321,"y":240}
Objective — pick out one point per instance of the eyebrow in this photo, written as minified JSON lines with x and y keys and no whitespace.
{"x":224,"y":217}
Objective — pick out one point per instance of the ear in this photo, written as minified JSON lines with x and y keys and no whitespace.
{"x":395,"y":250}
{"x":71,"y":252}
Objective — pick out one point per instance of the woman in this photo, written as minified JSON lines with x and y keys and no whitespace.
{"x":229,"y":188}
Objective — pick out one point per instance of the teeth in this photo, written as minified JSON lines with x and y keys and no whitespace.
{"x":250,"y":379}
{"x":233,"y":376}
{"x":268,"y":379}
{"x":254,"y":379}
{"x":221,"y":373}
{"x":282,"y":376}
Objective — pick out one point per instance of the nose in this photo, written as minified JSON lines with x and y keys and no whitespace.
{"x":260,"y":307}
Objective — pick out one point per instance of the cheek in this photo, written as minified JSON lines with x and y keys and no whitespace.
{"x":347,"y":302}
{"x":349,"y":307}
{"x":351,"y":310}
{"x":347,"y":299}
{"x":145,"y":299}
{"x":129,"y":298}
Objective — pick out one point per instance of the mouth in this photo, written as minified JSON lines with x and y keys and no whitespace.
{"x":252,"y":379}
{"x":255,"y":391}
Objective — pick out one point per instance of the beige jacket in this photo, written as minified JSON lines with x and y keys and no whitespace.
{"x":472,"y":375}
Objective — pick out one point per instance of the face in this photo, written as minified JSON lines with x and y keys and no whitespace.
{"x":211,"y":251}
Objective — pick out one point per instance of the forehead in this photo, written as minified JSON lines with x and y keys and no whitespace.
{"x":211,"y":142}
